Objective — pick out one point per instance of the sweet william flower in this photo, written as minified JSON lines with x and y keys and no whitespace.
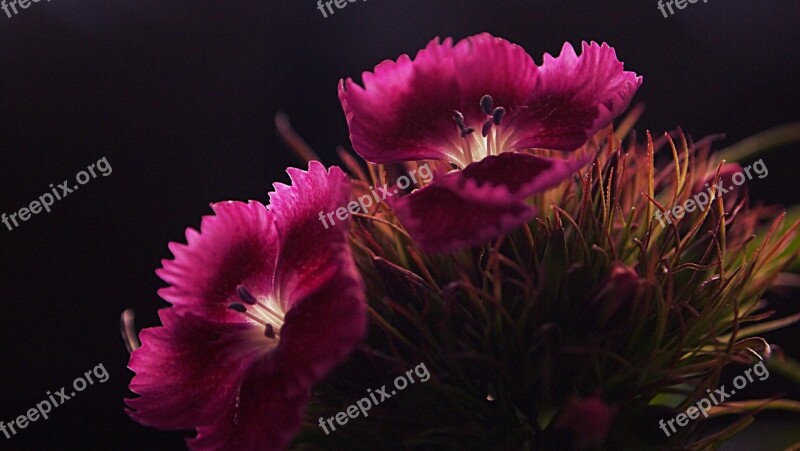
{"x":482,"y":105}
{"x":588,"y":421}
{"x":265,"y":302}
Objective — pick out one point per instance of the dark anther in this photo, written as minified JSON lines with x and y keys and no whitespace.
{"x":245,"y":295}
{"x":466,"y":131}
{"x":269,"y":332}
{"x":238,"y":307}
{"x":498,"y":114}
{"x":486,"y":127}
{"x":487,"y":104}
{"x":459,"y":118}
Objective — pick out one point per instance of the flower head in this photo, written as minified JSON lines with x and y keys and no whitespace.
{"x":588,"y":421}
{"x":265,"y":303}
{"x":482,"y":105}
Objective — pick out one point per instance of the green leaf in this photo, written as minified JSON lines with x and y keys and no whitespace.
{"x":762,"y":142}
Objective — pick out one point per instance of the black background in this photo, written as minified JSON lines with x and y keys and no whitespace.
{"x":180,"y":99}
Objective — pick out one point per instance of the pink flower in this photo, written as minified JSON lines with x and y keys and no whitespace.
{"x":588,"y":421}
{"x":266,"y":302}
{"x":482,"y":105}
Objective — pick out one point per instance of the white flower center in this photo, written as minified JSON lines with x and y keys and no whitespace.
{"x":471,"y":145}
{"x":262,"y":310}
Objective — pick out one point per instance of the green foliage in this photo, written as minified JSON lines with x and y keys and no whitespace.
{"x":592,"y":298}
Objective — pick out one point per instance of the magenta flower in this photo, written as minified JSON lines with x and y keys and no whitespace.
{"x":482,"y":105}
{"x":266,"y":301}
{"x":587,"y":420}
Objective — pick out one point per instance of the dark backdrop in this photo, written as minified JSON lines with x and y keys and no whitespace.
{"x":180,"y":99}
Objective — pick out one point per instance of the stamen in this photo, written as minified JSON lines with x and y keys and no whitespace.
{"x":498,"y":114}
{"x":490,"y":145}
{"x":243,"y":310}
{"x":245,"y":295}
{"x":487,"y":104}
{"x":268,"y":310}
{"x":260,"y":312}
{"x":127,"y":326}
{"x":269,"y":331}
{"x":459,"y":118}
{"x":237,"y":307}
{"x":487,"y":126}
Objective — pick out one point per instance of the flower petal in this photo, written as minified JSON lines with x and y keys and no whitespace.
{"x":309,"y":248}
{"x":238,"y":245}
{"x":221,"y":378}
{"x":575,"y":96}
{"x":217,"y":372}
{"x":405,"y":109}
{"x":266,"y":416}
{"x":510,"y":176}
{"x":324,"y":326}
{"x":481,"y":202}
{"x":441,"y":220}
{"x":316,"y":278}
